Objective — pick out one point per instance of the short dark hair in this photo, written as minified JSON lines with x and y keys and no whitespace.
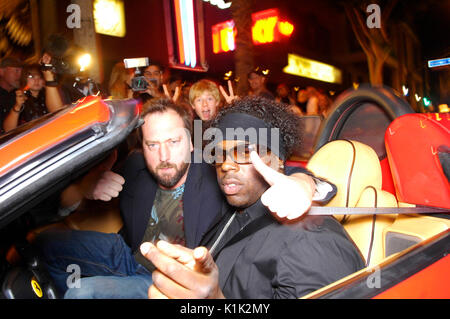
{"x":259,"y":71}
{"x":28,"y":70}
{"x":155,"y":63}
{"x":162,"y":105}
{"x":10,"y":61}
{"x":275,"y":114}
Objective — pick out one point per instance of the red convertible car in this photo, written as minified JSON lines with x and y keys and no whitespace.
{"x":391,"y":167}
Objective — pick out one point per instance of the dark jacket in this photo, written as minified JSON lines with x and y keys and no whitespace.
{"x":261,"y":258}
{"x":202,"y":200}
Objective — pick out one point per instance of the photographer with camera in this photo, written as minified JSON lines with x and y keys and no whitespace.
{"x":34,"y":99}
{"x":69,"y":65}
{"x":147,"y":82}
{"x":152,"y":76}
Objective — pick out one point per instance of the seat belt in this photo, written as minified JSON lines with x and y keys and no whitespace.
{"x":322,"y":210}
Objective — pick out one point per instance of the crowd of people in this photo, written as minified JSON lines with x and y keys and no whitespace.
{"x":30,"y":91}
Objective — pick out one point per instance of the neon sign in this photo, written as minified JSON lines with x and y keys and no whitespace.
{"x":187,"y":47}
{"x":438,"y":62}
{"x":316,"y":70}
{"x":267,"y":28}
{"x":223,"y":36}
{"x":219,"y":3}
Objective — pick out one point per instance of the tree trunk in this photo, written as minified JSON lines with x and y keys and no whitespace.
{"x":375,"y":71}
{"x":243,"y":54}
{"x":36,"y":29}
{"x":85,"y":36}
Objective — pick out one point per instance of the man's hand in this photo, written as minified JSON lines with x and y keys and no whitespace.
{"x":181,"y":272}
{"x":20,"y":100}
{"x":176,"y":94}
{"x":101,"y":183}
{"x":288,"y":196}
{"x":48,"y":74}
{"x":153,"y":90}
{"x":229,"y":98}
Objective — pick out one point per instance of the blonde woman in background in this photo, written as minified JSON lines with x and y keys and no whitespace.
{"x":120,"y":82}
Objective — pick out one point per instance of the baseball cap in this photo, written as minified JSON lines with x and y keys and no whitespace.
{"x":260,"y":71}
{"x":10,"y":62}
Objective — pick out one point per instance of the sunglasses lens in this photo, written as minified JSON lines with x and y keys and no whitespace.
{"x":241,"y":154}
{"x":218,"y":156}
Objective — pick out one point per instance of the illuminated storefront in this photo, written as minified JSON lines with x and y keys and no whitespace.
{"x":311,"y":69}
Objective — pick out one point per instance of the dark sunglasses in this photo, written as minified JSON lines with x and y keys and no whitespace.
{"x":239,"y":154}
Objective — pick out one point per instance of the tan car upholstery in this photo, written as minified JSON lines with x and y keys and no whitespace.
{"x":355,"y":169}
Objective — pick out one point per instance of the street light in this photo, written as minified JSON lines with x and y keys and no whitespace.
{"x":84,"y":61}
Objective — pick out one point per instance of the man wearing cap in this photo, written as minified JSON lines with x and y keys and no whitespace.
{"x":10,"y":73}
{"x":257,"y":79}
{"x":247,"y":253}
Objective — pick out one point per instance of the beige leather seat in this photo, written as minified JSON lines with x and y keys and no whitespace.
{"x":355,"y":169}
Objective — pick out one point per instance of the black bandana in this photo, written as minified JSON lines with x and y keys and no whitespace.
{"x":245,"y":127}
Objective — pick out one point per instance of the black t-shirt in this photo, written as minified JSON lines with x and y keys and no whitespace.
{"x":34,"y":107}
{"x":267,"y":95}
{"x":165,"y":223}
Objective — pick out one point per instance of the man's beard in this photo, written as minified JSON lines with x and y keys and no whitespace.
{"x":169,"y":181}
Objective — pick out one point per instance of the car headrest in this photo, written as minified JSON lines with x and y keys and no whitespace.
{"x":418,"y":150}
{"x":352,"y":166}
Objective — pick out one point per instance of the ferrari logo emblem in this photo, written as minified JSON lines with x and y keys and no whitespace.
{"x":36,"y":288}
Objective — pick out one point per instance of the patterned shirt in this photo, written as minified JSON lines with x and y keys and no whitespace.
{"x":165,"y":222}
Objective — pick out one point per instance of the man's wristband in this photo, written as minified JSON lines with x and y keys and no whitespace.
{"x":51,"y":83}
{"x":19,"y":111}
{"x":324,"y":192}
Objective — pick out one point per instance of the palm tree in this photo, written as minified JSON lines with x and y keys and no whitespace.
{"x":16,"y":30}
{"x":243,"y":54}
{"x":375,"y":42}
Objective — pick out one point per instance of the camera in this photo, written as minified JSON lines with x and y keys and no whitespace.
{"x":60,"y":66}
{"x":62,"y":56}
{"x":66,"y":58}
{"x":139,"y":82}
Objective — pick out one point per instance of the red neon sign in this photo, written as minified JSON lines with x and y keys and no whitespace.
{"x":267,"y":28}
{"x":223,"y":36}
